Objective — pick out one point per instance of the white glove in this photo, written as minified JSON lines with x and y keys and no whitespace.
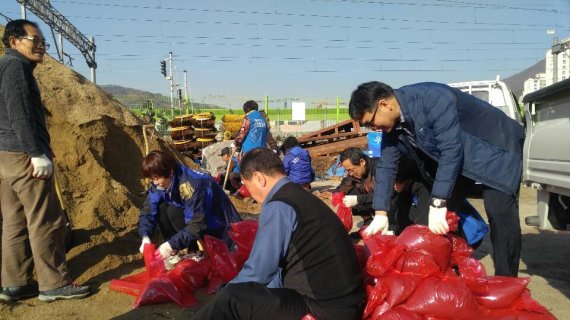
{"x":145,"y":240}
{"x":164,"y":251}
{"x":437,"y":223}
{"x":378,"y":224}
{"x":233,"y":145}
{"x":349,"y":201}
{"x":43,"y":167}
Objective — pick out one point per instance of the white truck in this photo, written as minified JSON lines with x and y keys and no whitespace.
{"x":546,"y":154}
{"x":495,"y":92}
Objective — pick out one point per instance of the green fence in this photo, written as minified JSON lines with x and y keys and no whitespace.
{"x":161,"y":106}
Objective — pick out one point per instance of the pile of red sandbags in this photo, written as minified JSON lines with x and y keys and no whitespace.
{"x":157,"y":285}
{"x":421,"y":275}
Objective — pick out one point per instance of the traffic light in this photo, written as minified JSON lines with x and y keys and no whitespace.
{"x":180,"y":94}
{"x":163,"y":67}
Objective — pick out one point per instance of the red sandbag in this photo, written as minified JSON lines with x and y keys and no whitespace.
{"x":342,"y":212}
{"x":337,"y":198}
{"x":379,"y":263}
{"x":153,"y":265}
{"x":401,"y":314}
{"x":420,"y":238}
{"x":163,"y":289}
{"x":400,"y":286}
{"x":377,"y":243}
{"x":375,"y":296}
{"x":244,"y":192}
{"x":526,"y":303}
{"x":243,"y":235}
{"x":345,"y":216}
{"x":502,"y":291}
{"x":417,"y":263}
{"x":474,"y":273}
{"x":459,"y":247}
{"x":447,"y":298}
{"x":128,"y":287}
{"x":452,"y":221}
{"x":224,"y":267}
{"x":193,"y":273}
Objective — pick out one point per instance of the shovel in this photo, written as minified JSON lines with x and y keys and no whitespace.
{"x":68,"y":227}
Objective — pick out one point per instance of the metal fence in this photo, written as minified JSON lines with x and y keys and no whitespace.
{"x":281,"y":121}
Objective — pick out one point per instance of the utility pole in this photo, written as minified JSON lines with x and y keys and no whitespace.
{"x":23,"y":10}
{"x":171,"y":78}
{"x":186,"y":100}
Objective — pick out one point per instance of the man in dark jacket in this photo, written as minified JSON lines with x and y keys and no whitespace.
{"x":358,"y":185}
{"x":302,"y":260}
{"x":33,"y":222}
{"x":458,"y":139}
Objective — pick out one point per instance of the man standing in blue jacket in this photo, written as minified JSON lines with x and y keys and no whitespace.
{"x":184,"y":203}
{"x":297,"y":163}
{"x":457,"y":139}
{"x":254,"y":129}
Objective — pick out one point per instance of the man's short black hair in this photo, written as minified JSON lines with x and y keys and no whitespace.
{"x":353,"y":154}
{"x":15,"y":28}
{"x":365,"y":97}
{"x":289,"y":143}
{"x":250,"y":105}
{"x":225,"y":150}
{"x":262,"y":160}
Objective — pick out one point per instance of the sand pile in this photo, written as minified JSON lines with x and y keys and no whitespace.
{"x":99,"y":147}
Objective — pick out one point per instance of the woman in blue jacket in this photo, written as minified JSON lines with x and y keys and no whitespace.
{"x":297,"y":162}
{"x":184,"y":203}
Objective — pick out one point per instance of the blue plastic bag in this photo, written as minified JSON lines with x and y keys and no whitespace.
{"x":472,"y":224}
{"x":374,"y":143}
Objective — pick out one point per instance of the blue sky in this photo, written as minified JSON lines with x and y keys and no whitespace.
{"x":313,"y":50}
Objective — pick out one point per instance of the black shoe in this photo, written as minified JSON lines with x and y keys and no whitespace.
{"x":69,"y":291}
{"x":17,"y":293}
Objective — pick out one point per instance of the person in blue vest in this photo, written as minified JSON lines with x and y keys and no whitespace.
{"x":458,"y":139}
{"x":302,"y":261}
{"x":297,"y":162}
{"x":254,"y":129}
{"x":185,"y":205}
{"x":234,"y":179}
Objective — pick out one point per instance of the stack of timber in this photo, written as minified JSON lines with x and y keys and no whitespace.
{"x":334,"y":139}
{"x":231,"y":123}
{"x":190,"y":133}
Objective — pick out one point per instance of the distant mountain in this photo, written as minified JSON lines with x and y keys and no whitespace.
{"x":124,"y":91}
{"x":134,"y":98}
{"x":516,"y":81}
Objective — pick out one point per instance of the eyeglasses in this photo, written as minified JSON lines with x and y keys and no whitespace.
{"x":370,"y":122}
{"x":37,"y":41}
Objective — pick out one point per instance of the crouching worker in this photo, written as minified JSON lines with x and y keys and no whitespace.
{"x":302,"y":260}
{"x":297,"y":162}
{"x":184,"y":203}
{"x":358,"y":185}
{"x":233,"y":178}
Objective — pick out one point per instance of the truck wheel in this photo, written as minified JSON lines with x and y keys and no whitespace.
{"x":558,"y":213}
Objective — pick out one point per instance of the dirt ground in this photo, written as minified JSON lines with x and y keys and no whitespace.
{"x":99,"y":147}
{"x":545,"y":257}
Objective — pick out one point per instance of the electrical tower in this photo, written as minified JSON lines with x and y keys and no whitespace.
{"x":58,"y":22}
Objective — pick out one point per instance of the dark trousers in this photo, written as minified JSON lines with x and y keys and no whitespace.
{"x":170,"y":221}
{"x":252,"y":300}
{"x":503,"y":213}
